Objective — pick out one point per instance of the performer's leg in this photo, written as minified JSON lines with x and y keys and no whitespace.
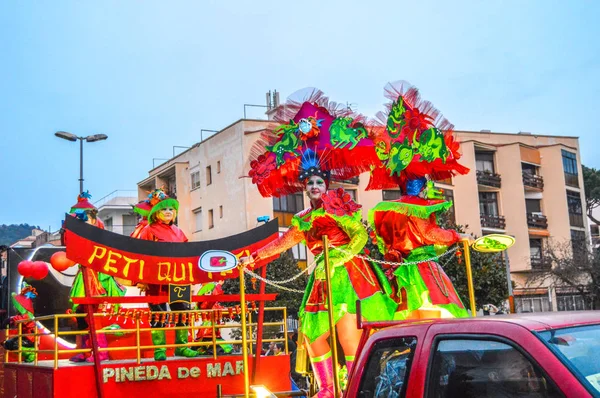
{"x":158,"y":336}
{"x":322,"y":364}
{"x":84,"y":338}
{"x":349,"y":334}
{"x":181,"y":336}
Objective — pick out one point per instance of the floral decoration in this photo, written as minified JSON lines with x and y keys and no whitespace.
{"x":261,"y":168}
{"x":338,"y":202}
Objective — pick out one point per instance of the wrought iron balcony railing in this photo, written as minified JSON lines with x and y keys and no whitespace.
{"x":539,"y":263}
{"x":488,"y":179}
{"x":492,"y":221}
{"x":533,"y":181}
{"x":537,"y":220}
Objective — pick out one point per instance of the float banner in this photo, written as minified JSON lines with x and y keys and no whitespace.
{"x":163,"y":262}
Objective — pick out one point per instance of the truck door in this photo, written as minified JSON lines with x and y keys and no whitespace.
{"x":507,"y":361}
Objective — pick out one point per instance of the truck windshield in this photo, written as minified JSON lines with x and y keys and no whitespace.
{"x":579,"y":348}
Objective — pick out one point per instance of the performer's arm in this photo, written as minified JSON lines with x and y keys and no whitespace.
{"x":289,"y":239}
{"x":435,"y":234}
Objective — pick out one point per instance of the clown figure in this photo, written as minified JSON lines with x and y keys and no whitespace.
{"x":161,"y":228}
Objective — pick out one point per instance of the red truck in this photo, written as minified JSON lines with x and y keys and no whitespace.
{"x":521,"y":355}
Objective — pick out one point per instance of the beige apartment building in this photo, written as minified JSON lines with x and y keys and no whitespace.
{"x":528,"y":186}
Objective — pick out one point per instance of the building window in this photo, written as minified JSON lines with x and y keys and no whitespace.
{"x":484,"y":162}
{"x":570,"y":168}
{"x":529,"y":169}
{"x":449,"y":197}
{"x":535,"y":252}
{"x":208,"y":176}
{"x":575,"y":208}
{"x":594,"y":230}
{"x":571,"y":302}
{"x":220,"y":211}
{"x":352,"y":193}
{"x":218,"y":166}
{"x":299,"y":252}
{"x":195,"y":179}
{"x":391,"y":194}
{"x":108,"y":224}
{"x":533,"y":206}
{"x":578,"y":244}
{"x":488,"y":203}
{"x":198,"y":219}
{"x":533,"y":303}
{"x":289,"y":203}
{"x":211,"y":221}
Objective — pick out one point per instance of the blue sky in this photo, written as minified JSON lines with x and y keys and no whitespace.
{"x":151,"y":74}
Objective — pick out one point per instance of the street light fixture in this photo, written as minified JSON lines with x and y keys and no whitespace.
{"x":72,"y":137}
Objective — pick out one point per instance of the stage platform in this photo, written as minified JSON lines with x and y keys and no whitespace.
{"x":175,"y":377}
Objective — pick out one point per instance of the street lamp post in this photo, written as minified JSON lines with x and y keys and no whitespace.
{"x":72,"y":137}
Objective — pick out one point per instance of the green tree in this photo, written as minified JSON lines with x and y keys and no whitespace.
{"x":591,"y":183}
{"x":489,"y":272}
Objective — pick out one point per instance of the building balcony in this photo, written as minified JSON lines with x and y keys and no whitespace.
{"x":539,"y":263}
{"x":491,"y":221}
{"x":537,"y":221}
{"x":488,"y":179}
{"x":533,"y":181}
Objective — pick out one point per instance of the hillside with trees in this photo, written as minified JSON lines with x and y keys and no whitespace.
{"x":9,"y":234}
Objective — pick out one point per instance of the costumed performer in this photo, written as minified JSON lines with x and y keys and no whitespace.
{"x":23,"y":303}
{"x":416,"y":143}
{"x":100,"y":284}
{"x":314,"y":145}
{"x":161,"y":228}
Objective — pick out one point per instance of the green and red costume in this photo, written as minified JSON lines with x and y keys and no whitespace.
{"x":406,"y":231}
{"x":353,"y":278}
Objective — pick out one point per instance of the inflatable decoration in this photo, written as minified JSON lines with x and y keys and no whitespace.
{"x":60,"y":262}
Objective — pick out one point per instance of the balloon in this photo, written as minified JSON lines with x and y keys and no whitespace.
{"x":40,"y":270}
{"x":25,"y":268}
{"x":60,"y":262}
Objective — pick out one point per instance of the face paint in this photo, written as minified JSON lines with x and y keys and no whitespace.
{"x":167,"y":215}
{"x":315,"y":187}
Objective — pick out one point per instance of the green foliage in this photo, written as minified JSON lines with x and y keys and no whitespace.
{"x":280,"y":269}
{"x":9,"y":234}
{"x":591,"y":183}
{"x":489,"y":273}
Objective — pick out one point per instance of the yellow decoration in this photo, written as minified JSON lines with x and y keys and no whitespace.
{"x":493,"y":243}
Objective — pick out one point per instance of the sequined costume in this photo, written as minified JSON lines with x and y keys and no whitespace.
{"x":353,"y":278}
{"x":407,"y":231}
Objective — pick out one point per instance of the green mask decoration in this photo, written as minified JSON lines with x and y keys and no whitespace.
{"x":395,"y":121}
{"x":400,"y":157}
{"x":431,"y":145}
{"x":341,"y":134}
{"x":288,"y":143}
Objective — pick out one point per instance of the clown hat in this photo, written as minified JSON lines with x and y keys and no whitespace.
{"x":142,"y":208}
{"x":24,"y":300}
{"x":334,"y":133}
{"x":83,"y":203}
{"x":164,"y":201}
